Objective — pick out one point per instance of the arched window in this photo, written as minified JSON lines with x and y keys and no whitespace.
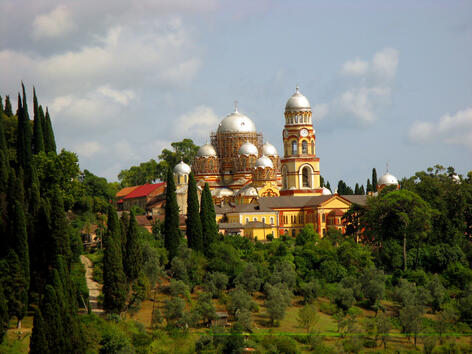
{"x":304,"y":147}
{"x":272,"y":220}
{"x":323,"y":218}
{"x":185,"y":179}
{"x":294,"y":147}
{"x":306,"y":177}
{"x":178,"y":179}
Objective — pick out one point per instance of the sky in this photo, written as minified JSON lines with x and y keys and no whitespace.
{"x":389,"y":82}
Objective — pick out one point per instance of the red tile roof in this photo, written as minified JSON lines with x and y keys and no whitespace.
{"x":127,"y":190}
{"x":144,"y":190}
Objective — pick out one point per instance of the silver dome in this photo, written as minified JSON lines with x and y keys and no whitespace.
{"x":248,"y":191}
{"x":269,"y":150}
{"x":297,"y":102}
{"x":182,"y":168}
{"x":326,"y":191}
{"x":206,"y":150}
{"x":248,"y":149}
{"x":263,"y":162}
{"x":387,"y":179}
{"x":236,"y":123}
{"x":222,"y":192}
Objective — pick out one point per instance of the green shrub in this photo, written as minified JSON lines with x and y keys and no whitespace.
{"x":328,"y":308}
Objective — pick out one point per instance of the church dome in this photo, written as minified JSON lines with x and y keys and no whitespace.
{"x":387,"y":180}
{"x":182,"y":168}
{"x":269,"y":150}
{"x":248,"y":191}
{"x":297,"y":102}
{"x":236,"y":123}
{"x":326,"y":191}
{"x":248,"y":149}
{"x":263,"y":162}
{"x":206,"y":150}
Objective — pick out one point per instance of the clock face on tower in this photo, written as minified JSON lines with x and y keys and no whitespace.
{"x":303,"y":133}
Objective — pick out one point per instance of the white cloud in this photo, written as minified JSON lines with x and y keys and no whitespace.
{"x":87,"y":148}
{"x":365,"y":93}
{"x":123,"y":97}
{"x":196,"y":123}
{"x":385,"y":63}
{"x":56,"y":23}
{"x":450,"y":129}
{"x":355,"y":67}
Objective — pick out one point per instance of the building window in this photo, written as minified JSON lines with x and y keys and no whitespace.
{"x":312,"y":147}
{"x":263,"y":220}
{"x":185,"y":178}
{"x":306,"y":177}
{"x":178,"y":179}
{"x":294,"y":147}
{"x":284,"y":178}
{"x":323,"y":218}
{"x":272,"y":220}
{"x":304,"y":147}
{"x":254,"y":219}
{"x":247,"y":220}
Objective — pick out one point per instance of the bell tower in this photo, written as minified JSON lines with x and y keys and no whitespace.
{"x":300,"y":166}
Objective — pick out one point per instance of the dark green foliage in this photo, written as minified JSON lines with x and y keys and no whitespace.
{"x":208,"y":218}
{"x":344,"y":298}
{"x":8,"y":109}
{"x":124,"y":223}
{"x":115,"y":288}
{"x":344,"y":189}
{"x":249,"y":278}
{"x":3,"y":140}
{"x":362,"y":190}
{"x":59,"y":231}
{"x":48,"y":134}
{"x":171,"y":226}
{"x":39,"y":343}
{"x":437,"y":291}
{"x":374,"y":180}
{"x":23,"y":148}
{"x":4,"y":317}
{"x":38,"y":138}
{"x":15,"y":285}
{"x":373,"y":285}
{"x":205,"y":308}
{"x":239,"y":300}
{"x":134,"y":258}
{"x":310,"y":291}
{"x":307,"y":235}
{"x":215,"y":283}
{"x":194,"y":224}
{"x":279,"y":297}
{"x":4,"y":172}
{"x":357,"y":190}
{"x":368,"y":186}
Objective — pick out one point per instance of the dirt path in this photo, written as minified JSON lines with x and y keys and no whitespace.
{"x":94,"y":287}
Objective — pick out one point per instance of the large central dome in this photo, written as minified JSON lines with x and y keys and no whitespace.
{"x":236,"y":123}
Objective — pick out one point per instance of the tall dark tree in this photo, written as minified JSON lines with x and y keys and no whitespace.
{"x":124,"y":223}
{"x":48,"y":134}
{"x":8,"y":109}
{"x":368,"y":186}
{"x":3,"y":314}
{"x":4,"y":172}
{"x":38,"y":138}
{"x":53,"y":323}
{"x":19,"y":240}
{"x":171,"y":223}
{"x":374,"y":180}
{"x":134,"y":257}
{"x":115,"y":288}
{"x":362,"y":190}
{"x":59,"y":233}
{"x":194,"y":224}
{"x":3,"y":140}
{"x":357,"y":190}
{"x":328,"y":186}
{"x":208,"y":217}
{"x":38,"y":342}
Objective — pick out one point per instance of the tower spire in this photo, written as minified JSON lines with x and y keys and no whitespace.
{"x":235,"y":105}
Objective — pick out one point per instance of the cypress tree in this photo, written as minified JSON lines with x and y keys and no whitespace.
{"x":54,"y":327}
{"x":328,"y":186}
{"x":19,"y":241}
{"x":48,"y":134}
{"x":1,"y":106}
{"x":194,"y":223}
{"x":38,"y":342}
{"x":4,"y":172}
{"x":374,"y":180}
{"x":4,"y":318}
{"x":115,"y":288}
{"x":368,"y":186}
{"x":208,"y":217}
{"x":59,"y":232}
{"x":24,"y":152}
{"x":134,"y":257}
{"x":15,"y":286}
{"x":362,"y":191}
{"x":357,"y":190}
{"x":38,"y":139}
{"x":3,"y":140}
{"x":171,"y":222}
{"x":124,"y":223}
{"x":8,"y":109}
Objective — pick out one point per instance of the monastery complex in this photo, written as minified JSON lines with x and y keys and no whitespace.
{"x":256,"y":191}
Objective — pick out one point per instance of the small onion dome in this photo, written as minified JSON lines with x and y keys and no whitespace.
{"x":297,"y":102}
{"x":387,"y":180}
{"x":325,"y":191}
{"x":182,"y":168}
{"x":222,"y":192}
{"x":248,"y":191}
{"x":248,"y":149}
{"x":206,"y":150}
{"x":269,"y":150}
{"x":263,"y":162}
{"x":236,"y":123}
